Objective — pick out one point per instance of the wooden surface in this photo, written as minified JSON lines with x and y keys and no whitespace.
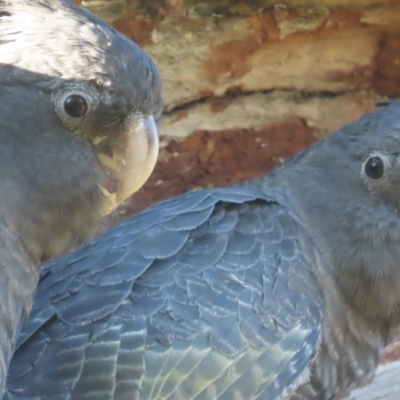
{"x":386,"y":384}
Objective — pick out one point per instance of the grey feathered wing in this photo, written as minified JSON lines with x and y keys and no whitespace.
{"x":18,"y":279}
{"x":204,"y":296}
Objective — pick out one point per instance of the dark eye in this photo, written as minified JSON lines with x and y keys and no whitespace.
{"x":75,"y":106}
{"x":374,"y":167}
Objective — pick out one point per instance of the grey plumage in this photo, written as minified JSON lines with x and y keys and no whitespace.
{"x":63,"y":73}
{"x":285,"y":287}
{"x":203,"y":251}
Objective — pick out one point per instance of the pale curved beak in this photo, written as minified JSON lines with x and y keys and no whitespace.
{"x":131,"y":160}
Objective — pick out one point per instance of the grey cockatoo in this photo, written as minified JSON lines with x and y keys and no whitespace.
{"x":77,"y":136}
{"x":285,"y":287}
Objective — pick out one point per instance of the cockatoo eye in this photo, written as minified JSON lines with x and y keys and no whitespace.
{"x":75,"y":106}
{"x":374,"y":167}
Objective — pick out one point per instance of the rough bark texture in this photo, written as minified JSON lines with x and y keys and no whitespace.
{"x":247,"y":83}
